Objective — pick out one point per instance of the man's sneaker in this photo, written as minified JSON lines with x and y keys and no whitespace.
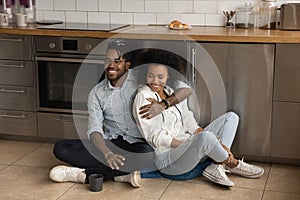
{"x":216,"y":173}
{"x":246,"y":170}
{"x":134,"y":179}
{"x":63,"y":173}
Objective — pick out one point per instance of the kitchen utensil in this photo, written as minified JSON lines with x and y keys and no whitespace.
{"x":290,"y":16}
{"x":229,"y":18}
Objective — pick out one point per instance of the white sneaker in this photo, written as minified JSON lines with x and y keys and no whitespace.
{"x":246,"y":170}
{"x":63,"y":173}
{"x":216,"y":173}
{"x":134,"y":179}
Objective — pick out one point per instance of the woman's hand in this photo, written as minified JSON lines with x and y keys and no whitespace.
{"x":199,"y":130}
{"x":114,"y":160}
{"x":152,"y":109}
{"x":231,"y":158}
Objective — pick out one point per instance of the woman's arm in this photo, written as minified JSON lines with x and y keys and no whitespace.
{"x":153,"y":129}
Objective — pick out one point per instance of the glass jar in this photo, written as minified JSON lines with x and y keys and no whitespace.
{"x":267,"y":14}
{"x":28,"y":7}
{"x":244,"y":17}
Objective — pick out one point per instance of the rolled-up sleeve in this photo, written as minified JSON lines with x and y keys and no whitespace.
{"x":95,"y":122}
{"x":152,"y":129}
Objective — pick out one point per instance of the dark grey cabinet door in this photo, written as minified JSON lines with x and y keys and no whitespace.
{"x":246,"y":71}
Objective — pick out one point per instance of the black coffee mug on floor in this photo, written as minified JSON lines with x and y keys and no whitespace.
{"x":96,"y":182}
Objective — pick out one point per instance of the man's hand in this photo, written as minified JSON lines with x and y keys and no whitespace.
{"x":151,"y":110}
{"x":114,"y":160}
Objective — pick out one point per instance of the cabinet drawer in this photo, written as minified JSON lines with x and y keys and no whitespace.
{"x":287,"y":71}
{"x":17,"y":98}
{"x":285,"y":130}
{"x":18,"y":123}
{"x":16,"y":47}
{"x":61,"y":125}
{"x":17,"y":73}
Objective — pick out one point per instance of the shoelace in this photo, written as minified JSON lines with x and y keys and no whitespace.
{"x":71,"y":175}
{"x":246,"y":167}
{"x":220,"y":172}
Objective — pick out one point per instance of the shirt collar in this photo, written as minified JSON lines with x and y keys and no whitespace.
{"x":132,"y":75}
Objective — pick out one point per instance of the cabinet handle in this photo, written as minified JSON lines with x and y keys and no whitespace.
{"x":8,"y":65}
{"x":193,"y":65}
{"x":21,"y":116}
{"x":21,"y":91}
{"x":63,"y":119}
{"x":11,"y":39}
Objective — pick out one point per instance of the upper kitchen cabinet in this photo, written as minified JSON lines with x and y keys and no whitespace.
{"x":244,"y":73}
{"x":286,"y":109}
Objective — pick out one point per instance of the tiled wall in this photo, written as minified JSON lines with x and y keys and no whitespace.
{"x":194,"y":12}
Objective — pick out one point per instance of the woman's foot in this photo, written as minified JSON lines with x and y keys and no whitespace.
{"x":64,"y":173}
{"x":246,"y":170}
{"x":216,"y":173}
{"x":134,"y":179}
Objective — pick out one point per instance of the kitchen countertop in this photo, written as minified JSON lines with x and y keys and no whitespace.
{"x":197,"y":33}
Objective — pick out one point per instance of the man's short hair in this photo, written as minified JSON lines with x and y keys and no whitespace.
{"x":120,"y":47}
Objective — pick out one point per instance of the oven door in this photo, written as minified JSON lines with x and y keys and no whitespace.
{"x":65,"y":81}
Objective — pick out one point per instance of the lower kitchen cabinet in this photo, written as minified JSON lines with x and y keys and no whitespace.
{"x":246,"y":70}
{"x":18,"y":123}
{"x":54,"y":125}
{"x":285,"y":130}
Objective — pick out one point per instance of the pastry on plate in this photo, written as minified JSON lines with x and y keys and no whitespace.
{"x":175,"y":24}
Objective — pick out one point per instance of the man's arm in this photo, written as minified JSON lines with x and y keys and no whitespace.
{"x":113,"y":160}
{"x":154,"y":107}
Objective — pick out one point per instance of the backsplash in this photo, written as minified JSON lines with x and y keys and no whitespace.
{"x":194,"y":12}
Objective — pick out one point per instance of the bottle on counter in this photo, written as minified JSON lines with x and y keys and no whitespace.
{"x":28,"y":7}
{"x":244,"y":17}
{"x":267,"y":14}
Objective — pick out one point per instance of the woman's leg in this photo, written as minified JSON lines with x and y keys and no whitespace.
{"x":185,"y":157}
{"x":224,"y":127}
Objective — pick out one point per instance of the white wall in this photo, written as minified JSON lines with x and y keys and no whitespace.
{"x":194,"y":12}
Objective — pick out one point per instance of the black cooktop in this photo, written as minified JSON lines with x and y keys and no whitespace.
{"x":83,"y":26}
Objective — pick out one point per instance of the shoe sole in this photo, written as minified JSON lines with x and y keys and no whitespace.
{"x":214,"y":180}
{"x":136,"y":182}
{"x":249,"y":176}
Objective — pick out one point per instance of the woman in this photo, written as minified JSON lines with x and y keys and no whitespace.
{"x":180,"y":143}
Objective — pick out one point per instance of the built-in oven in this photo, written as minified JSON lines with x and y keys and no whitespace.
{"x":67,"y":69}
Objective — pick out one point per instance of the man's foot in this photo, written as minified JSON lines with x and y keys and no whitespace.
{"x":246,"y":170}
{"x":134,"y":179}
{"x":216,"y":173}
{"x":63,"y":173}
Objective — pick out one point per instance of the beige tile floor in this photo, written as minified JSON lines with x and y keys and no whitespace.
{"x":24,"y":168}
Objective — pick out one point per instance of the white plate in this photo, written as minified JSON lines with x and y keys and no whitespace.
{"x":189,"y":27}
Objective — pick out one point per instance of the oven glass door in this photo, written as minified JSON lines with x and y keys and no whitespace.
{"x":64,"y":83}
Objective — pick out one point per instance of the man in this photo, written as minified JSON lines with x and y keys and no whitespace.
{"x":115,"y":147}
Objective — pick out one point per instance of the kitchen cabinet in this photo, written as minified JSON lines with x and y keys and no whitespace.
{"x":286,"y":110}
{"x":245,"y":75}
{"x":17,"y":86}
{"x":55,"y":125}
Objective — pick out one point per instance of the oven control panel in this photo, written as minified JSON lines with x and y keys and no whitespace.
{"x":69,"y":45}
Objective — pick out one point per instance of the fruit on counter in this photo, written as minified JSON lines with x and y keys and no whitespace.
{"x":178,"y":24}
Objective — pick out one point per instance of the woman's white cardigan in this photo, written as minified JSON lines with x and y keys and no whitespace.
{"x":175,"y":122}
